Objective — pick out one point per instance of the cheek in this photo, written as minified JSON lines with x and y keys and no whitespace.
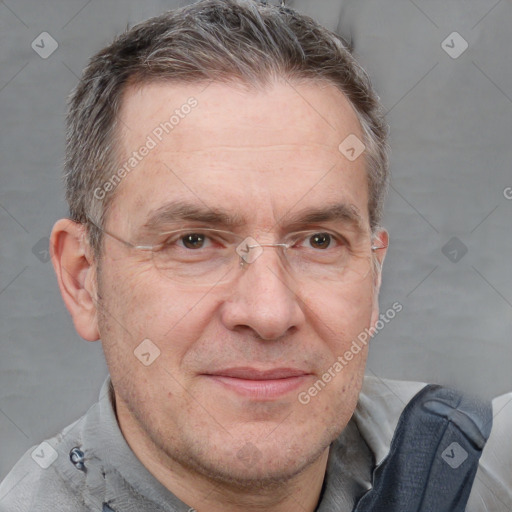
{"x":139,"y":304}
{"x":340,"y":313}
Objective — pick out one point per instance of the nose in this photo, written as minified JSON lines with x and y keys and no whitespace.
{"x":264,"y":299}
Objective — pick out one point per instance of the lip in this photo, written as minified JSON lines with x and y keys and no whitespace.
{"x":260,"y":384}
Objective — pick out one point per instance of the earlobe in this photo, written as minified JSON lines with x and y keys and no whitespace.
{"x":76,"y":273}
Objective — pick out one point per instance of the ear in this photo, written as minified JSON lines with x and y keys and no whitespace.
{"x":381,"y":241}
{"x":76,"y":273}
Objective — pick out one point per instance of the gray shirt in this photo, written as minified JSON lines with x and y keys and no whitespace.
{"x":46,"y":479}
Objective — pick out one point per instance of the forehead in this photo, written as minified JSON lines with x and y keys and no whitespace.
{"x":220,"y":145}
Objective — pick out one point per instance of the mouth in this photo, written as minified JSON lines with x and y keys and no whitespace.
{"x":259,"y":384}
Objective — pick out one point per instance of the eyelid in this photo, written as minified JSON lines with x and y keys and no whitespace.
{"x":299,"y":235}
{"x":175,"y":234}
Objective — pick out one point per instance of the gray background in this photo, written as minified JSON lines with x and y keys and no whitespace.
{"x":451,"y":123}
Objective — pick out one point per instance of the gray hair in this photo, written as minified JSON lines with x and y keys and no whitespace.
{"x":227,"y":41}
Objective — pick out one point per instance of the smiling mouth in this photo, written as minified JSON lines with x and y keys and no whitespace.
{"x":258,"y":384}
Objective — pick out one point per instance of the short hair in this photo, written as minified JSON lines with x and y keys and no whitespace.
{"x":226,"y":41}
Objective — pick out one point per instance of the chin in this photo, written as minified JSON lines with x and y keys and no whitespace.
{"x":257,"y":465}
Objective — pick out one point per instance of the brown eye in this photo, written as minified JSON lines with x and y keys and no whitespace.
{"x":320,"y":240}
{"x":193,"y":240}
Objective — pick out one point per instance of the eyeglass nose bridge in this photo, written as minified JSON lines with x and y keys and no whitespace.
{"x":250,"y":250}
{"x":269,"y":245}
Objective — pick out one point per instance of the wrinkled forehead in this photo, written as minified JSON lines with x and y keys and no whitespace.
{"x":315,"y":112}
{"x":221,"y":145}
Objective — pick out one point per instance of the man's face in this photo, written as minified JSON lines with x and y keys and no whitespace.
{"x":264,"y":157}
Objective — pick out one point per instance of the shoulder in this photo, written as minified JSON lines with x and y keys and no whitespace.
{"x":492,"y":489}
{"x":380,"y":405}
{"x":31,"y":488}
{"x":381,"y":402}
{"x":44,"y":479}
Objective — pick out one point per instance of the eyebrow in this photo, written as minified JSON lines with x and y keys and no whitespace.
{"x":339,"y":212}
{"x":176,"y":211}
